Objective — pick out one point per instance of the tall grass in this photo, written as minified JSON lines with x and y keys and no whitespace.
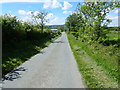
{"x":105,"y":54}
{"x":97,"y":63}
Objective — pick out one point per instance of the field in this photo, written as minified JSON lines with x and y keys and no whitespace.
{"x":97,"y":62}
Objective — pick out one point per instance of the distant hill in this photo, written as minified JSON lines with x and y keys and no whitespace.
{"x":113,"y":28}
{"x":53,"y":26}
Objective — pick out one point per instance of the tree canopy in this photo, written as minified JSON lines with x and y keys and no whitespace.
{"x":89,"y":20}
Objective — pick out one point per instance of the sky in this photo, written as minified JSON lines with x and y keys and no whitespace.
{"x":58,"y":10}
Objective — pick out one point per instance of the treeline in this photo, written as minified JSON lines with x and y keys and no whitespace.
{"x":53,"y":26}
{"x":89,"y":26}
{"x":15,"y":30}
{"x":89,"y":21}
{"x":21,"y":40}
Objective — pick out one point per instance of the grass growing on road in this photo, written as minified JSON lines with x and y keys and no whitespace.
{"x":98,"y":67}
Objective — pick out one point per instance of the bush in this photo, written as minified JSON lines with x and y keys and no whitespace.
{"x":12,"y":29}
{"x":21,"y":40}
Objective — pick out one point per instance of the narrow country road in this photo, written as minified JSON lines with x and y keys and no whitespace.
{"x":54,"y":67}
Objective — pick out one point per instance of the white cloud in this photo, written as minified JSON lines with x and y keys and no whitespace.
{"x":56,"y":21}
{"x":66,"y":12}
{"x":10,"y":1}
{"x":50,"y":15}
{"x":23,"y":12}
{"x":66,"y":5}
{"x":56,"y":4}
{"x":52,"y":19}
{"x":51,"y":4}
{"x":47,"y":4}
{"x":25,"y":19}
{"x":114,"y":20}
{"x":36,"y":12}
{"x":117,"y":11}
{"x":29,"y":12}
{"x":111,"y":17}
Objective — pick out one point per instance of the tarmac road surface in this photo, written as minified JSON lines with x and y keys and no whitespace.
{"x":54,"y":67}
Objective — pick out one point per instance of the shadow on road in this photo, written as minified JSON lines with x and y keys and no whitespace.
{"x":58,"y":42}
{"x":40,"y":52}
{"x":14,"y":74}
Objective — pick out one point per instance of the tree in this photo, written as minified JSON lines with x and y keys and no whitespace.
{"x":40,"y":19}
{"x":61,"y":28}
{"x":90,"y":19}
{"x":71,"y":22}
{"x":94,"y":14}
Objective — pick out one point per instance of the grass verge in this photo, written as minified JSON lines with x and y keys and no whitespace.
{"x":96,"y":73}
